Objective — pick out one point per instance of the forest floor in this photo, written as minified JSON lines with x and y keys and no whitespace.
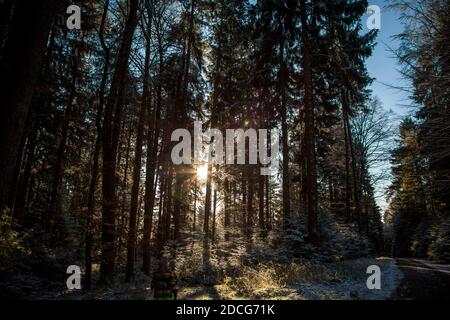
{"x":401,"y":279}
{"x":343,"y":280}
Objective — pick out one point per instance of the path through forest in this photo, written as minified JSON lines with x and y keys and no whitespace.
{"x":422,"y":281}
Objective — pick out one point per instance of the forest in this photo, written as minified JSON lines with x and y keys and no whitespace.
{"x":86,"y":139}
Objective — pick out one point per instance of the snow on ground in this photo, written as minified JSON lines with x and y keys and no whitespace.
{"x":343,"y":280}
{"x":349,"y":284}
{"x":445,"y":268}
{"x":353,"y":289}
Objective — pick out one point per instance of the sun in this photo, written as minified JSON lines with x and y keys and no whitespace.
{"x":202,"y":171}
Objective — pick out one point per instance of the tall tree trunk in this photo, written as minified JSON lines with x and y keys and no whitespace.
{"x":310,"y":145}
{"x":207,"y":203}
{"x":19,"y":71}
{"x":347,"y":176}
{"x":181,"y":116}
{"x":250,"y":184}
{"x":131,"y":247}
{"x":164,"y":222}
{"x":96,"y":157}
{"x":121,"y":219}
{"x":284,"y":136}
{"x":194,"y":211}
{"x":161,"y":210}
{"x":213,"y":233}
{"x":234,"y":202}
{"x":58,"y":165}
{"x":262,"y":223}
{"x":24,"y":183}
{"x":268,"y":214}
{"x":110,"y":139}
{"x":226,"y":209}
{"x":177,"y":205}
{"x":349,"y":141}
{"x":243,"y":207}
{"x":152,"y":152}
{"x":214,"y":119}
{"x":39,"y":102}
{"x":169,"y":202}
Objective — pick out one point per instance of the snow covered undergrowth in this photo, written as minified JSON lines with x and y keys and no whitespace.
{"x":342,"y":280}
{"x":354,"y":286}
{"x":304,"y":281}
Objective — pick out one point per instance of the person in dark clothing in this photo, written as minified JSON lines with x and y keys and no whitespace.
{"x":164,"y":282}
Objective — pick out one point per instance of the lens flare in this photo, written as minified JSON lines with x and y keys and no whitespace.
{"x":202,"y":171}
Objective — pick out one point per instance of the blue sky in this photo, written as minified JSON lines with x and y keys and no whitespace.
{"x":383,"y":66}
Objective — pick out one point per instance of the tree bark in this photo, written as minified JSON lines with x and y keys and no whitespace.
{"x":350,"y":152}
{"x":268,"y":212}
{"x":59,"y":162}
{"x":20,"y":65}
{"x":310,"y":145}
{"x":131,"y":246}
{"x":226,"y":208}
{"x":207,"y":203}
{"x":249,"y":209}
{"x":194,"y":211}
{"x":284,"y":136}
{"x":152,"y":159}
{"x":110,"y":139}
{"x":213,"y":233}
{"x":261,"y":220}
{"x":96,"y":157}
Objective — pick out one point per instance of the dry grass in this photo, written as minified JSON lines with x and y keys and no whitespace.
{"x":263,"y":278}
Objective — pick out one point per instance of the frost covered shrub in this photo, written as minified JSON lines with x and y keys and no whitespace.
{"x":439,"y":248}
{"x":341,"y":240}
{"x":338,"y":241}
{"x":10,"y":240}
{"x":196,"y":264}
{"x":420,"y":238}
{"x":24,"y":271}
{"x":251,"y":279}
{"x":263,"y":278}
{"x":266,"y":259}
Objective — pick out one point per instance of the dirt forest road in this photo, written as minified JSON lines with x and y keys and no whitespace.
{"x":422,"y":281}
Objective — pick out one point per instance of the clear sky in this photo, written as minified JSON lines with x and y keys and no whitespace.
{"x":383,"y":66}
